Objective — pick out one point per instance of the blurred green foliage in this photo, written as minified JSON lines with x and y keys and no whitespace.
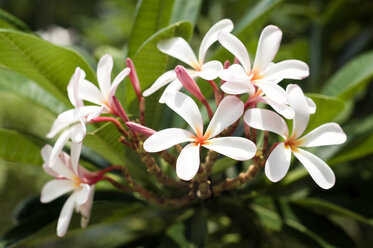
{"x":334,"y":38}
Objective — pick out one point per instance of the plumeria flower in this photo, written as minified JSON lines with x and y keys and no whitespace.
{"x":278,"y":161}
{"x":264,"y":75}
{"x":70,"y":177}
{"x":229,"y":111}
{"x":180,"y":49}
{"x":72,"y":121}
{"x":103,"y":96}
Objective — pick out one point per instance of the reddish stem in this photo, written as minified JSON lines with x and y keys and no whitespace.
{"x":112,"y":120}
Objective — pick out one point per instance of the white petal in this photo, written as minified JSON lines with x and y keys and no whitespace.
{"x":311,"y":105}
{"x":234,"y":147}
{"x":85,"y":209}
{"x":104,"y":67}
{"x":278,"y":162}
{"x":326,"y":134}
{"x":82,"y":194}
{"x":118,"y":79}
{"x":281,"y":108}
{"x":268,"y":45}
{"x":212,"y":36}
{"x":272,"y":90}
{"x":210,"y":70}
{"x":187,"y":163}
{"x":163,"y":79}
{"x":290,"y":69}
{"x":265,"y":119}
{"x":74,"y":115}
{"x":234,"y":73}
{"x":235,"y":46}
{"x":320,"y":172}
{"x":298,"y":103}
{"x":57,"y":126}
{"x":65,"y":216}
{"x":58,"y":146}
{"x":89,"y":92}
{"x":55,"y":188}
{"x":184,"y":106}
{"x":46,"y":152}
{"x":75,"y":155}
{"x":78,"y":132}
{"x":178,"y":48}
{"x":236,"y":88}
{"x":175,"y":85}
{"x":166,"y":138}
{"x":73,"y":86}
{"x":229,"y":111}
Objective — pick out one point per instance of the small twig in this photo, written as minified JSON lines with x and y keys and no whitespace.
{"x":231,"y":183}
{"x":154,"y":169}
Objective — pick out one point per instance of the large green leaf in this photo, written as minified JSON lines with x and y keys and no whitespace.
{"x":9,"y":21}
{"x":25,"y":88}
{"x":150,"y":16}
{"x":186,"y":10}
{"x":351,"y":78}
{"x":48,"y":65}
{"x":24,"y":115}
{"x":14,"y":147}
{"x":150,"y":63}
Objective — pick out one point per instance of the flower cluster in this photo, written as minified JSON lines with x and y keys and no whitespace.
{"x":230,"y":84}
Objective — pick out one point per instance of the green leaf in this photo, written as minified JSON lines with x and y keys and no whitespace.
{"x":327,"y":208}
{"x":25,"y":88}
{"x":24,"y":115}
{"x":351,"y":78}
{"x":150,"y":16}
{"x":9,"y":21}
{"x":46,"y":64}
{"x":359,"y":141}
{"x":223,"y":164}
{"x":150,"y":63}
{"x":327,"y":108}
{"x":14,"y":147}
{"x":186,"y":10}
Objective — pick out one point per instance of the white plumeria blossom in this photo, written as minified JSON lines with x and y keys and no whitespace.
{"x":229,"y":111}
{"x":102,"y":96}
{"x":178,"y":48}
{"x":264,"y":74}
{"x":278,"y":161}
{"x":70,"y":177}
{"x":73,"y":120}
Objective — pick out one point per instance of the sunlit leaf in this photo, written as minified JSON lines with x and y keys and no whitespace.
{"x":150,"y":16}
{"x":327,"y":108}
{"x":46,"y":64}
